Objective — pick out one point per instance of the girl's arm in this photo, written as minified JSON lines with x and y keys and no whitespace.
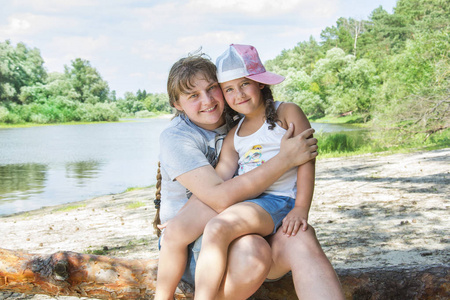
{"x":218,"y":194}
{"x":228,"y":159}
{"x":298,"y":217}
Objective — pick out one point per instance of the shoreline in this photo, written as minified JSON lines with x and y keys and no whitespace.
{"x":368,"y":211}
{"x":122,"y":120}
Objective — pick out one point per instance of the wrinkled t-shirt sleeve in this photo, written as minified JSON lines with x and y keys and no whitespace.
{"x":181,"y":152}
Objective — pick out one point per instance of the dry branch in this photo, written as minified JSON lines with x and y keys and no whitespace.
{"x":103,"y":277}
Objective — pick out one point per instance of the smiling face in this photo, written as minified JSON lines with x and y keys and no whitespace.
{"x":244,"y":96}
{"x":203,"y":103}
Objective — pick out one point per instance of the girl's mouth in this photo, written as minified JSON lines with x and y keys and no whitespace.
{"x":210,"y":109}
{"x":245,"y":101}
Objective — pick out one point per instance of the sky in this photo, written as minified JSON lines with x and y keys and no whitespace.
{"x":133,"y":43}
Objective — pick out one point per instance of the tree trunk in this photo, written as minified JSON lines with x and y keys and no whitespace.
{"x":103,"y":277}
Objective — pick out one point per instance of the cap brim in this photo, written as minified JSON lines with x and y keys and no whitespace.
{"x":266,"y":78}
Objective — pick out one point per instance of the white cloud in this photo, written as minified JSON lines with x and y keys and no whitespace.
{"x":28,"y":25}
{"x":51,"y":5}
{"x":266,"y":8}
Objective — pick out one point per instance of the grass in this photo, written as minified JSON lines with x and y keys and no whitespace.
{"x":29,"y":124}
{"x":135,"y":205}
{"x":358,"y":143}
{"x":137,"y":188}
{"x":355,"y":119}
{"x":70,"y":207}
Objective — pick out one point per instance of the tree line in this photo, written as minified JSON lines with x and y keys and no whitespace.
{"x":392,"y":69}
{"x":28,"y":93}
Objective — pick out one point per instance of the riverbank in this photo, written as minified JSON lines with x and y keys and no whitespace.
{"x":122,"y":120}
{"x":368,"y":210}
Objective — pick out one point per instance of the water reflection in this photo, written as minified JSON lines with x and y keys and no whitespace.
{"x":22,"y":181}
{"x":83,"y":171}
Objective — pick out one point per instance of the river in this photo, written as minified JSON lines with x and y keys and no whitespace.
{"x":50,"y":165}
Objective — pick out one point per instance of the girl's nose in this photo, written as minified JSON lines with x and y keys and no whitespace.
{"x":207,"y":97}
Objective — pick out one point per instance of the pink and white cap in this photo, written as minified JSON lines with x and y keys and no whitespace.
{"x":243,"y":61}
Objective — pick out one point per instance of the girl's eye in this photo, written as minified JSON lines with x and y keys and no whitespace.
{"x":193,"y":96}
{"x":245,"y":83}
{"x":228,"y":90}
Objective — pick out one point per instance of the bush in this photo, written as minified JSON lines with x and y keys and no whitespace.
{"x":144,"y":114}
{"x":342,"y":142}
{"x":98,"y":112}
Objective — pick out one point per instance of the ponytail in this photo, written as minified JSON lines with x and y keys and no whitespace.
{"x":157,"y":201}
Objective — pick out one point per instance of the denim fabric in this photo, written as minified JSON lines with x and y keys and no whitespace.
{"x":277,"y":206}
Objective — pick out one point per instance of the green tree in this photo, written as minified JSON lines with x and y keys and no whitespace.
{"x":157,"y":103}
{"x":299,"y":88}
{"x":345,"y":83}
{"x":425,"y":15}
{"x":19,"y":67}
{"x":415,"y":95}
{"x":338,"y":36}
{"x":86,"y":82}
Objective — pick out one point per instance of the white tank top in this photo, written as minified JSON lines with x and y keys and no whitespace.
{"x":259,"y":147}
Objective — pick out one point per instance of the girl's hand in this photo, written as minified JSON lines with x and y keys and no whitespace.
{"x":299,"y":149}
{"x":162,"y":226}
{"x":297,"y":218}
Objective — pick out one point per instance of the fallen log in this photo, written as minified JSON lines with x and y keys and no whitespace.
{"x":104,"y":277}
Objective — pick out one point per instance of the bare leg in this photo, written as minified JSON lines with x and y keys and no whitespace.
{"x":249,"y":260}
{"x":173,"y":255}
{"x":237,"y":220}
{"x":312,"y":272}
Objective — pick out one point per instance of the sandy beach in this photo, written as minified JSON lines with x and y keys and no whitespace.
{"x":368,"y":211}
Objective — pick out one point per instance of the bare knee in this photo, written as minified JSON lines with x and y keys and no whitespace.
{"x":175,"y":233}
{"x":218,"y":229}
{"x":251,"y":258}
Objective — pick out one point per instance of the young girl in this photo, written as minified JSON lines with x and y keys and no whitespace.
{"x":189,"y":148}
{"x":250,"y":144}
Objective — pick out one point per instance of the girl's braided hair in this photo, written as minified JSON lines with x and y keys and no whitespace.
{"x":157,"y":202}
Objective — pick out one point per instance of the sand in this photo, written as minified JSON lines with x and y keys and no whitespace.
{"x":368,"y":211}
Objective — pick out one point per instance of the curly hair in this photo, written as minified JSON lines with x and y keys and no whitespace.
{"x":271,"y":112}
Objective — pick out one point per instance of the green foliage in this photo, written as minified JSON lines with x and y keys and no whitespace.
{"x":19,"y":67}
{"x":87,"y":83}
{"x":342,"y":142}
{"x":29,"y":94}
{"x":144,"y":104}
{"x":391,"y":70}
{"x":414,"y":98}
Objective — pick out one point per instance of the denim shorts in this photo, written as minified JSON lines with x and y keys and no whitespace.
{"x":193,"y":252}
{"x":277,"y":207}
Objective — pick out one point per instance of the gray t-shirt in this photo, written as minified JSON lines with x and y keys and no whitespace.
{"x":184,"y":147}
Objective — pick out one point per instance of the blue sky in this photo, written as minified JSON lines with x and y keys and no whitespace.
{"x":133,"y":43}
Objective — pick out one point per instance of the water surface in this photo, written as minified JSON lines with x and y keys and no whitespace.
{"x":49,"y":165}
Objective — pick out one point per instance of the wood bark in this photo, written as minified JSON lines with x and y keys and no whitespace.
{"x":103,"y":277}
